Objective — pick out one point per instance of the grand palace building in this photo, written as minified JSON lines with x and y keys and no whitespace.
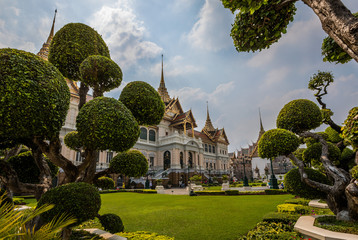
{"x":175,"y":149}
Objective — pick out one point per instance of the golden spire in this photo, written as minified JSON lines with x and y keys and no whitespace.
{"x":43,"y":53}
{"x":162,"y":90}
{"x":208,"y":125}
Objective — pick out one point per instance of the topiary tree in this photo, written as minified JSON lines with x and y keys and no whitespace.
{"x":299,"y":116}
{"x":34,"y":103}
{"x":333,"y":159}
{"x":260,"y":23}
{"x":294,"y":185}
{"x":137,"y":94}
{"x":104,"y":183}
{"x":131,"y":163}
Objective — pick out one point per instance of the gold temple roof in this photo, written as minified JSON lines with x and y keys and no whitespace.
{"x":43,"y":53}
{"x":162,"y":90}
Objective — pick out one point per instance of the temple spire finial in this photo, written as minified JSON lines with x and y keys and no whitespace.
{"x":261,"y":126}
{"x":208,"y":125}
{"x":43,"y":53}
{"x":162,"y":90}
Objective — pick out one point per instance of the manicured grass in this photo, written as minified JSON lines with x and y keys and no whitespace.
{"x":185,"y":217}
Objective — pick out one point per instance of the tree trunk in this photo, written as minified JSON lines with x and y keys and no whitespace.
{"x":352,"y":198}
{"x":66,"y":233}
{"x":338,"y":22}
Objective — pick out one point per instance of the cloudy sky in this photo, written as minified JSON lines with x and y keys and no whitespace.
{"x":200,"y":61}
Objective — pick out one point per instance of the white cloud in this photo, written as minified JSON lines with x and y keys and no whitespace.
{"x":174,"y":67}
{"x":275,"y":77}
{"x":212,"y":30}
{"x":124,"y":34}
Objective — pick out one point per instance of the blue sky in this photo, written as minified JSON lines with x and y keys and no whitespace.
{"x":200,"y":61}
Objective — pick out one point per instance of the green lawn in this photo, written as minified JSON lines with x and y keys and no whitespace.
{"x":186,"y":218}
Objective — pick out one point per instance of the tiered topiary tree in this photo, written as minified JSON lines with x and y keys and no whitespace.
{"x":326,"y":152}
{"x":260,"y":23}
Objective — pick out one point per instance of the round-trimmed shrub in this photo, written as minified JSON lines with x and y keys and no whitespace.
{"x":72,"y":44}
{"x":106,"y":123}
{"x":72,"y":140}
{"x":111,"y":223}
{"x":299,"y":115}
{"x":314,"y":151}
{"x":104,"y":183}
{"x":100,"y":73}
{"x":80,"y":200}
{"x":333,"y":135}
{"x":132,"y":163}
{"x":294,"y":185}
{"x":350,"y":128}
{"x":26,"y":168}
{"x":34,"y":96}
{"x":277,"y":142}
{"x":144,"y":102}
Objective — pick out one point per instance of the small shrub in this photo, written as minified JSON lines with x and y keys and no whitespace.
{"x":104,"y":183}
{"x":83,"y":235}
{"x":293,"y":208}
{"x":210,"y":193}
{"x":354,"y":172}
{"x":275,"y":191}
{"x":281,"y":217}
{"x":149,"y":191}
{"x":271,"y":230}
{"x":300,"y":201}
{"x":111,"y":223}
{"x":232,"y":192}
{"x":195,"y":178}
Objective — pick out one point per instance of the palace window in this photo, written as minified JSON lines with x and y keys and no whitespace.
{"x":167,"y":160}
{"x":190,"y":161}
{"x":209,"y":148}
{"x":213,"y":149}
{"x":151,"y":162}
{"x":181,"y":160}
{"x":78,"y":157}
{"x":206,"y":147}
{"x":109,"y":157}
{"x":143,"y":133}
{"x":152,"y":135}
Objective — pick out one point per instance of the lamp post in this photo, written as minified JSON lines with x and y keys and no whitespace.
{"x":246,"y":182}
{"x":273,"y":178}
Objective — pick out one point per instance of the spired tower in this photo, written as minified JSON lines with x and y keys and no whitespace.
{"x":162,"y":90}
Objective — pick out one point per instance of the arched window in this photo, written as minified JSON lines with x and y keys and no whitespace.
{"x":166,"y":160}
{"x":206,"y":147}
{"x":190,"y":160}
{"x":213,"y":149}
{"x":209,"y":148}
{"x":181,"y":160}
{"x":152,"y":135}
{"x":143,"y":133}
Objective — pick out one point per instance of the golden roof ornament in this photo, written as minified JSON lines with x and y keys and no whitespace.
{"x":208,"y":125}
{"x":162,"y":90}
{"x":43,"y":53}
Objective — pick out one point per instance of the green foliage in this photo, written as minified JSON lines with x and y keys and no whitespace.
{"x":271,"y":230}
{"x":104,"y":183}
{"x":348,"y":158}
{"x":19,"y":201}
{"x":277,"y":142}
{"x":12,"y":223}
{"x":210,"y":192}
{"x":299,"y":153}
{"x":225,"y":177}
{"x":275,"y":191}
{"x":320,"y":81}
{"x":25,"y":166}
{"x":105,"y":123}
{"x":309,"y":140}
{"x":333,"y":135}
{"x":260,"y":23}
{"x":333,"y":53}
{"x":350,"y":128}
{"x":139,"y":235}
{"x":280,"y":217}
{"x":111,"y":223}
{"x":80,"y":200}
{"x":72,"y":44}
{"x":299,"y":115}
{"x":293,"y":208}
{"x":144,"y":102}
{"x":332,"y":224}
{"x":294,"y":185}
{"x":131,"y":163}
{"x":84,"y":235}
{"x":73,"y":141}
{"x":300,"y":201}
{"x":313,"y":154}
{"x":354,"y":172}
{"x":34,"y":97}
{"x":4,"y":198}
{"x":195,"y":178}
{"x":326,"y":115}
{"x":100,"y":73}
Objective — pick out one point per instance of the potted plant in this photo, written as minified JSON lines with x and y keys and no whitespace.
{"x":196,"y":179}
{"x":225,"y":178}
{"x":159,"y":182}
